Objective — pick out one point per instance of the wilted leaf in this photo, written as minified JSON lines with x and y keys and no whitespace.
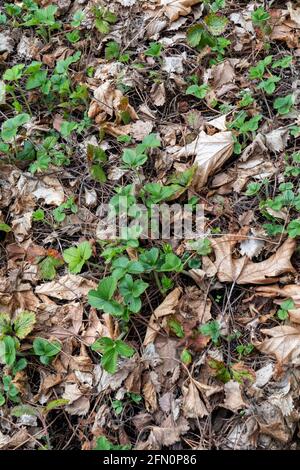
{"x":193,"y":406}
{"x":166,"y":308}
{"x":68,"y":287}
{"x":24,"y":323}
{"x":244,"y":271}
{"x":211,"y":152}
{"x":233,"y":398}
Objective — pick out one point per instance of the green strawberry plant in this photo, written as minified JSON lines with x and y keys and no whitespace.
{"x":76,"y":257}
{"x":102,"y":443}
{"x":111,"y":350}
{"x":285,"y":306}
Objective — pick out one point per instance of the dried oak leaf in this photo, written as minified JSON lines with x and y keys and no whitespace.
{"x":167,"y":307}
{"x":175,"y":8}
{"x":284,"y":344}
{"x":242,"y":270}
{"x":290,"y":290}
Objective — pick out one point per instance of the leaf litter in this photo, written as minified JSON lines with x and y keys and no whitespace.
{"x":175,"y":348}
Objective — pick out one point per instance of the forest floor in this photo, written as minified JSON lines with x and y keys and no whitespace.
{"x":135,"y":341}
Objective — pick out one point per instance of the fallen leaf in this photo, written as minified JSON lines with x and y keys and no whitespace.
{"x":167,"y":307}
{"x":158,"y":94}
{"x":68,"y":287}
{"x":211,"y":152}
{"x":233,"y":398}
{"x":166,"y":434}
{"x":109,"y":101}
{"x":173,"y":64}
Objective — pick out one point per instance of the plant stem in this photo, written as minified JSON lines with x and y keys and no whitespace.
{"x":158,"y":283}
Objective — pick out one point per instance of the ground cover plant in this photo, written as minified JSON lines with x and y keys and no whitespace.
{"x":127,"y":340}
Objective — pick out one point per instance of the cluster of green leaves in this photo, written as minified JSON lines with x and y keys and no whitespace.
{"x":77,"y":256}
{"x":260,"y":18}
{"x":285,"y":306}
{"x":123,"y":277}
{"x":55,"y":90}
{"x":97,"y":157}
{"x":118,"y":405}
{"x":286,"y":199}
{"x":133,"y":158}
{"x":8,"y":391}
{"x":224,"y":373}
{"x":50,"y":151}
{"x":11,"y":332}
{"x":61,"y":211}
{"x":211,"y":329}
{"x":48,"y":265}
{"x":46,"y":350}
{"x":199,"y":91}
{"x":268,"y":81}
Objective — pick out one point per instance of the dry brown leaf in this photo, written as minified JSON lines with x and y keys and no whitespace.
{"x":149,"y":391}
{"x":68,"y":287}
{"x":211,"y":152}
{"x":244,"y":271}
{"x":290,"y":290}
{"x":166,"y":434}
{"x":193,"y":406}
{"x":233,"y":398}
{"x":284,"y":344}
{"x":223,"y":76}
{"x":50,"y":190}
{"x":167,"y":307}
{"x":175,"y":8}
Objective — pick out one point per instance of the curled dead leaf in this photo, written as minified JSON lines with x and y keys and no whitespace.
{"x":175,"y":8}
{"x":211,"y":152}
{"x":244,"y":271}
{"x":233,"y":398}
